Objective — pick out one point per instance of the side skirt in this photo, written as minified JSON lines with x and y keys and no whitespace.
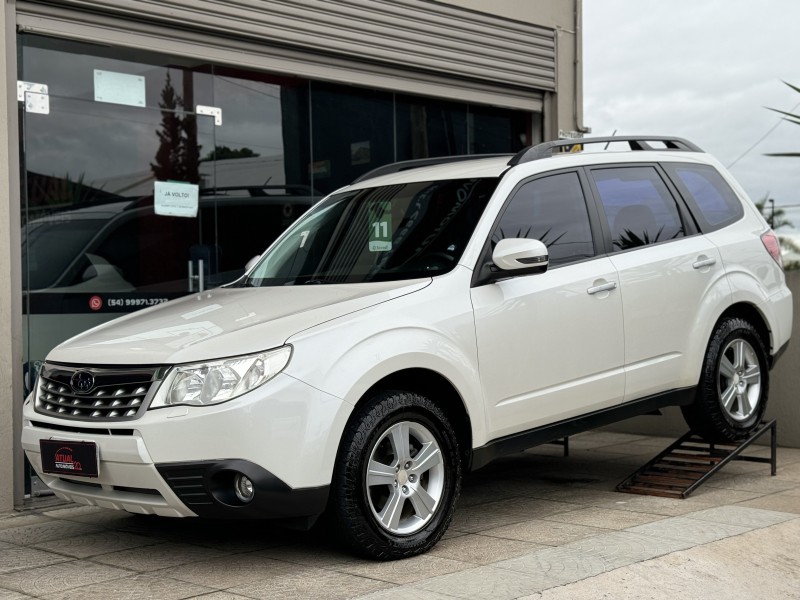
{"x":523,"y":440}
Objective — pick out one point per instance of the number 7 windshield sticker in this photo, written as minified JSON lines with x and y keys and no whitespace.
{"x":380,"y":231}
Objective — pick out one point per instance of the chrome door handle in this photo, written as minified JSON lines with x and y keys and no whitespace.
{"x":606,"y":287}
{"x":706,"y":262}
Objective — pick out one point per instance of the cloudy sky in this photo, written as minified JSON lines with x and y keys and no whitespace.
{"x":704,"y":70}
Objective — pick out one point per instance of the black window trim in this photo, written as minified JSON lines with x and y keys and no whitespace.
{"x":688,"y":220}
{"x":480,"y":272}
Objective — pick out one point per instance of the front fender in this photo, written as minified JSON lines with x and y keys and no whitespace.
{"x":414,"y":348}
{"x":430,"y":329}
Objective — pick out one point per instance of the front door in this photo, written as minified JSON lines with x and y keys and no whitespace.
{"x":550,"y":346}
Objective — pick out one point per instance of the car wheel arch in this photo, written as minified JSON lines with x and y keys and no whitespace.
{"x":440,"y":390}
{"x":751,"y":314}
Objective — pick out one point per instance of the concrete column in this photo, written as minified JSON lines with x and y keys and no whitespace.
{"x":10,"y":283}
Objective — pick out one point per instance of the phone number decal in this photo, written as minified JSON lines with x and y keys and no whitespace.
{"x":135,"y":302}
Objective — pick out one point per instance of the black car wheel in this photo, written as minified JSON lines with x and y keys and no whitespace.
{"x":734,"y":384}
{"x":398,"y":477}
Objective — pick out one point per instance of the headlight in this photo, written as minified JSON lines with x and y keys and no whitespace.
{"x":207,"y":383}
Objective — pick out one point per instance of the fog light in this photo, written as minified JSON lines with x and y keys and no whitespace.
{"x":244,"y":488}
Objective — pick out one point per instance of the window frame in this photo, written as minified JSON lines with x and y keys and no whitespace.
{"x":685,"y":215}
{"x":481,"y":271}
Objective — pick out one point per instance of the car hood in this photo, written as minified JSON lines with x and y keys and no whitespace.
{"x":222,"y":322}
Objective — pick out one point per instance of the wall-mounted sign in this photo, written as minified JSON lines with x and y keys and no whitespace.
{"x":119,"y":88}
{"x":176,"y":198}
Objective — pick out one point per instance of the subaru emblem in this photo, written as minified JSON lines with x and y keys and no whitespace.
{"x":82,"y":382}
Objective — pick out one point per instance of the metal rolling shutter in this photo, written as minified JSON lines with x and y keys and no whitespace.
{"x":412,"y":46}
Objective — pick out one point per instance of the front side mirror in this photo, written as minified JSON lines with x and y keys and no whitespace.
{"x":520,"y":256}
{"x":251,"y":262}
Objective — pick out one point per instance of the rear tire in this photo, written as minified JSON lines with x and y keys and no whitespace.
{"x":397,"y":478}
{"x":734,"y":384}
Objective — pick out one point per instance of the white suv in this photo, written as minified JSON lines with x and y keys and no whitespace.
{"x":417,"y":324}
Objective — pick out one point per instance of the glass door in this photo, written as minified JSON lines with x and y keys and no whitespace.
{"x":117,"y":175}
{"x":112,"y":217}
{"x":117,"y":163}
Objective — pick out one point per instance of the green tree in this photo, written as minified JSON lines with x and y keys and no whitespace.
{"x":224,"y":152}
{"x":178,"y":154}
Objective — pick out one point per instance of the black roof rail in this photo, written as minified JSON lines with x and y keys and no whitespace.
{"x":405,"y":165}
{"x":635,"y":142}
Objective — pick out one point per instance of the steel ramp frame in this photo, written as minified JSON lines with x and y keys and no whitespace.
{"x":690,"y":461}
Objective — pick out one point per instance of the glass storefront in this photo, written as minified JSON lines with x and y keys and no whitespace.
{"x":124,"y":126}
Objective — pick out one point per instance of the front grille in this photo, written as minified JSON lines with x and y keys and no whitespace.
{"x":116,"y":394}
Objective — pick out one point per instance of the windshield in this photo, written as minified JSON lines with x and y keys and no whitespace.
{"x":378,"y":234}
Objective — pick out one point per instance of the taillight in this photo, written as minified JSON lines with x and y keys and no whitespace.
{"x":773,"y":246}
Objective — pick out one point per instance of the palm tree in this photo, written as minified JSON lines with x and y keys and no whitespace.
{"x":791,"y":118}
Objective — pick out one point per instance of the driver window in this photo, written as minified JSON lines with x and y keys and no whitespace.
{"x":552,"y":210}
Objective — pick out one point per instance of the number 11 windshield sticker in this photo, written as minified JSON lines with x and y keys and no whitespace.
{"x":380,"y":234}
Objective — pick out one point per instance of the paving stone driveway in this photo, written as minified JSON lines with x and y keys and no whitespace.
{"x":533,"y":525}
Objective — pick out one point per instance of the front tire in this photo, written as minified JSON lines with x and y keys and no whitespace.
{"x":397,"y":478}
{"x":734,"y":384}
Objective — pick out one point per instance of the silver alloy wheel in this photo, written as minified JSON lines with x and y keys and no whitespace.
{"x":405,"y":478}
{"x":739,"y":384}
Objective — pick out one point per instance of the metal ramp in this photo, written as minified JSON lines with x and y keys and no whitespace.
{"x":690,"y":461}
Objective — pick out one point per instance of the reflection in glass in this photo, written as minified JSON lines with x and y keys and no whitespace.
{"x":90,"y":166}
{"x":352,"y":133}
{"x":552,"y":210}
{"x":638,"y":207}
{"x":428,"y":128}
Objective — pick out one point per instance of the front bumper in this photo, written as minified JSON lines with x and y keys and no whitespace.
{"x":178,"y":461}
{"x":207,"y":489}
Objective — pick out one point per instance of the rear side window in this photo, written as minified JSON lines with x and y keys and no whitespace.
{"x":638,"y":206}
{"x":552,"y":210}
{"x":713,"y":201}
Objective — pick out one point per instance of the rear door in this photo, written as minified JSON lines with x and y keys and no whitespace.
{"x":667,"y":271}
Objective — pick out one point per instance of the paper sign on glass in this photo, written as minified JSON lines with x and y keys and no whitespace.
{"x":176,"y":199}
{"x":119,"y":88}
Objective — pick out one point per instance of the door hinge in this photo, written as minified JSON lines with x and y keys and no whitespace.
{"x":35,"y":96}
{"x":211,"y":111}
